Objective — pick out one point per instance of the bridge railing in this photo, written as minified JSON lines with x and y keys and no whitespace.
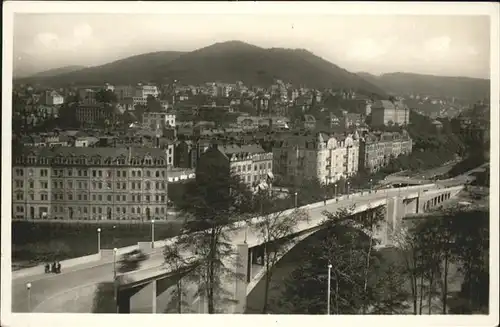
{"x":240,"y":224}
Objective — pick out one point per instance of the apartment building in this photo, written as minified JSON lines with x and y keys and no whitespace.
{"x":387,"y":112}
{"x":143,"y":91}
{"x":250,"y":162}
{"x":83,"y":183}
{"x":52,"y":98}
{"x":377,"y":149}
{"x":94,"y":113}
{"x":321,"y":156}
{"x":158,"y":119}
{"x":87,"y":96}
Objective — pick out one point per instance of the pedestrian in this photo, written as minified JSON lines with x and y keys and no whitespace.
{"x":47,"y":268}
{"x":54,"y":267}
{"x":58,"y":267}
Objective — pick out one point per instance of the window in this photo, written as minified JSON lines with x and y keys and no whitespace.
{"x":124,"y":210}
{"x":124,"y":185}
{"x":133,"y":210}
{"x":19,"y":183}
{"x":148,"y":185}
{"x":133,"y":173}
{"x":118,"y":185}
{"x":99,"y":197}
{"x":157,"y":211}
{"x":109,"y":198}
{"x":118,"y":198}
{"x":70,"y":196}
{"x":85,"y":197}
{"x":32,"y":184}
{"x":148,"y":198}
{"x":44,"y":172}
{"x":124,"y":198}
{"x":32,"y":196}
{"x":93,"y":197}
{"x":70,"y":172}
{"x":70,"y":184}
{"x":84,"y":209}
{"x":79,"y":196}
{"x":79,"y":185}
{"x":44,"y":184}
{"x":118,"y":173}
{"x":157,"y":174}
{"x":148,"y":173}
{"x":94,"y":173}
{"x":19,"y":172}
{"x":100,"y":173}
{"x":100,"y":185}
{"x":19,"y":196}
{"x":124,"y":173}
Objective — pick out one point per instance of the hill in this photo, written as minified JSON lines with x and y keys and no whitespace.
{"x":224,"y":62}
{"x":438,"y":86}
{"x":124,"y":71}
{"x":57,"y":71}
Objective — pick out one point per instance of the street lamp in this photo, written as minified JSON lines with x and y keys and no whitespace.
{"x":28,"y":288}
{"x":335,"y":190}
{"x":329,"y":289}
{"x":98,"y":240}
{"x":348,"y":183}
{"x":152,"y":233}
{"x":296,"y":199}
{"x":115,"y":286}
{"x":371,"y":185}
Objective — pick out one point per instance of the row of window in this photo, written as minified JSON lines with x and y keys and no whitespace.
{"x":261,"y":166}
{"x":97,"y":210}
{"x":95,"y":173}
{"x":95,"y":197}
{"x":32,"y":160}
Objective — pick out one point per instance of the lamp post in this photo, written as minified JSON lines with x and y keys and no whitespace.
{"x":115,"y":286}
{"x":98,"y":240}
{"x":152,"y":233}
{"x":371,"y":185}
{"x":28,"y":288}
{"x":348,"y":183}
{"x":296,"y":199}
{"x":329,"y":289}
{"x":335,"y":190}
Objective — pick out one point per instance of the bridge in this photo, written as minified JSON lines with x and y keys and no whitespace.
{"x":140,"y":291}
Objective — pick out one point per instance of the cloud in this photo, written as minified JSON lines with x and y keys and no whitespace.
{"x":47,"y":40}
{"x":53,"y":42}
{"x":438,"y":46}
{"x":366,"y":49}
{"x":82,"y":32}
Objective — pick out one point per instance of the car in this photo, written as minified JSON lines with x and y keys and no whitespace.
{"x":131,"y":261}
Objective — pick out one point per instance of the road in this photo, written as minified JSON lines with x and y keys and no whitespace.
{"x":46,"y":286}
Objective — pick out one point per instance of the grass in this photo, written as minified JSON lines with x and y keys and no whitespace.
{"x":34,"y":242}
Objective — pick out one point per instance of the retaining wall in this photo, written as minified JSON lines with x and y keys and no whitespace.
{"x":40,"y":269}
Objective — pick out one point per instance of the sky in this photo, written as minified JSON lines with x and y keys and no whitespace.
{"x":437,"y":45}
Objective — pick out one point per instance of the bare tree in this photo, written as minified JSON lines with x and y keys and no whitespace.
{"x":276,"y":227}
{"x":175,"y":261}
{"x":216,"y":200}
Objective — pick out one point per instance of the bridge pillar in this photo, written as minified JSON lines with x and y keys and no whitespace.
{"x":249,"y":264}
{"x":153,"y":299}
{"x":123,"y":302}
{"x":240,"y":285}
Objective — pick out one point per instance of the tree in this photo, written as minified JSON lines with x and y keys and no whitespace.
{"x":106,"y":97}
{"x":174,"y":260}
{"x":348,"y":245}
{"x":153,"y":104}
{"x":276,"y":229}
{"x":215,"y":200}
